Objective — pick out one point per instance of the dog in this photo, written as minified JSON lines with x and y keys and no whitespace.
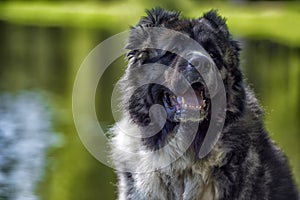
{"x":156,"y":151}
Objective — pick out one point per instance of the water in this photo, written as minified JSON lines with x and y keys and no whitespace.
{"x":25,"y":135}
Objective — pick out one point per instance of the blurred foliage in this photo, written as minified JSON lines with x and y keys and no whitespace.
{"x":273,"y":71}
{"x":276,"y":21}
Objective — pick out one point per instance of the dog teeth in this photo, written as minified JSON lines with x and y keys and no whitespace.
{"x":194,"y":107}
{"x":191,"y":106}
{"x":182,"y":103}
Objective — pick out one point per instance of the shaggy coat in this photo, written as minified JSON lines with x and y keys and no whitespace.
{"x":244,"y":164}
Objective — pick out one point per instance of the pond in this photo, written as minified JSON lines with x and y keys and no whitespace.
{"x":38,"y":66}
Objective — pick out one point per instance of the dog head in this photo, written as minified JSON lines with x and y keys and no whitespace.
{"x":187,"y":67}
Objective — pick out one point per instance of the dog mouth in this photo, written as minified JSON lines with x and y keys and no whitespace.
{"x":193,"y":105}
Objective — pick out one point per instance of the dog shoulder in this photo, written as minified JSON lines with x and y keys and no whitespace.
{"x":125,"y":144}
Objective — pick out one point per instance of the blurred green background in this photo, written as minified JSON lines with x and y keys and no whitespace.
{"x":43,"y":43}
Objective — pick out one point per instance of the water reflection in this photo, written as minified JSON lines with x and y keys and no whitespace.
{"x":25,"y":135}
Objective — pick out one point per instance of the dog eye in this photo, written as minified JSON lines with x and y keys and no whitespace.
{"x":151,"y":55}
{"x":143,"y":56}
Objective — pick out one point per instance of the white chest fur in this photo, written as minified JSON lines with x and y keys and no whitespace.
{"x":179,"y":185}
{"x":183,"y":179}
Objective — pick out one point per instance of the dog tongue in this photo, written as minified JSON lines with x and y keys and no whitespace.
{"x":193,"y":98}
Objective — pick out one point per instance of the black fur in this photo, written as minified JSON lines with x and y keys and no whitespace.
{"x":253,"y":167}
{"x":212,"y":33}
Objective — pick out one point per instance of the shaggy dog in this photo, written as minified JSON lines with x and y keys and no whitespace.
{"x":149,"y":152}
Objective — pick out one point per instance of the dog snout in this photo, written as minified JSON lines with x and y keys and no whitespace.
{"x":201,"y":69}
{"x":197,"y":67}
{"x":200,"y":62}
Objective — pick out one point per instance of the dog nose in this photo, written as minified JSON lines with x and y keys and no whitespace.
{"x":201,"y":64}
{"x":197,"y":67}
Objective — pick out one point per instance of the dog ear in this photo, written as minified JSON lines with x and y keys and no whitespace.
{"x":216,"y":21}
{"x":157,"y":17}
{"x":231,"y":55}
